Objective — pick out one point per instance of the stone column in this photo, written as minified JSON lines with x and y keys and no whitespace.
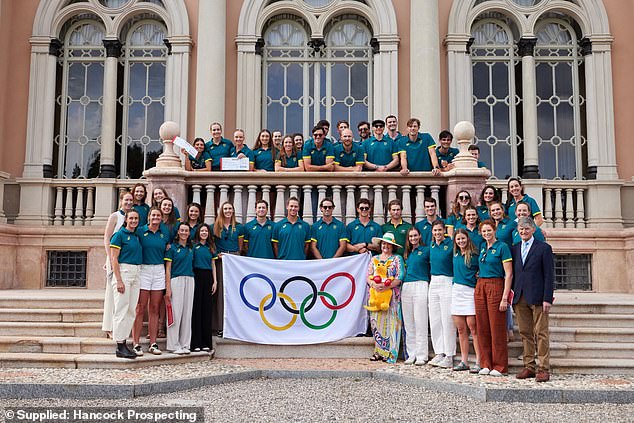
{"x":425,"y":64}
{"x":460,"y":79}
{"x":249,"y":104}
{"x":526,"y":47}
{"x":210,"y":65}
{"x":385,"y":76}
{"x":177,"y":82}
{"x":109,"y":109}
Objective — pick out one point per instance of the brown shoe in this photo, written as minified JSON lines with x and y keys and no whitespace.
{"x":542,"y":376}
{"x":525,"y":374}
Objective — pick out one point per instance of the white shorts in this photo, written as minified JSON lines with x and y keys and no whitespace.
{"x":462,"y":301}
{"x":152,"y":277}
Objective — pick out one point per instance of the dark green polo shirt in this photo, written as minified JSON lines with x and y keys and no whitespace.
{"x":400,"y":234}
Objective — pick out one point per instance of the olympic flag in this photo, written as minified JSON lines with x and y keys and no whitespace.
{"x":289,"y":302}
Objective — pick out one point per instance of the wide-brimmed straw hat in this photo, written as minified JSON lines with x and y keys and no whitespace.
{"x":387,"y":237}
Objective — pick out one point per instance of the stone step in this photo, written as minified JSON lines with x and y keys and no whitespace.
{"x":52,"y":298}
{"x":50,"y":315}
{"x":64,"y":345}
{"x":52,"y":329}
{"x":359,"y":347}
{"x":592,"y":303}
{"x":100,"y":361}
{"x":582,"y":366}
{"x":592,"y":320}
{"x":591,"y":334}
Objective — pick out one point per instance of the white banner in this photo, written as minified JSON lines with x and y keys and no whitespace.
{"x":289,"y":302}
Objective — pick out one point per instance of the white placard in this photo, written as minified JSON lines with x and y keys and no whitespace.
{"x":182,"y":143}
{"x":234,"y":163}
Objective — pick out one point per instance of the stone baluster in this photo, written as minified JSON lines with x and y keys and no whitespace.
{"x":321,"y":194}
{"x":196,"y":193}
{"x":210,"y":207}
{"x":350,"y":204}
{"x":266,"y":194}
{"x":581,"y":212}
{"x":570,"y":209}
{"x":293,"y":191}
{"x":59,"y":207}
{"x":391,"y":192}
{"x":237,"y":203}
{"x":69,"y":207}
{"x":251,"y":197}
{"x":420,"y":203}
{"x":336,"y":198}
{"x":435,"y":191}
{"x":80,"y":217}
{"x":280,"y":204}
{"x":548,"y":208}
{"x":308,"y":204}
{"x":364,"y":191}
{"x":90,"y":204}
{"x":407,"y":202}
{"x":224,"y":195}
{"x":379,"y":217}
{"x":559,"y":212}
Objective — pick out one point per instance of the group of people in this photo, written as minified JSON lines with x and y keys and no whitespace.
{"x":381,"y":152}
{"x":461,"y":275}
{"x":158,"y":263}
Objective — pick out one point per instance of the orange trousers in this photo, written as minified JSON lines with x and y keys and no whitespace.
{"x":491,"y":324}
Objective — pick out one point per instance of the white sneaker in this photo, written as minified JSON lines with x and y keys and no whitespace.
{"x":410,"y":360}
{"x":154,"y":349}
{"x":179,"y":351}
{"x":446,"y":363}
{"x":138,"y":350}
{"x":484,"y":371}
{"x":437,"y":359}
{"x":206,"y":349}
{"x":495,"y":373}
{"x":186,"y":351}
{"x":420,"y":362}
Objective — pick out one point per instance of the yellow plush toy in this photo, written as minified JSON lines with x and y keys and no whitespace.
{"x":380,"y":300}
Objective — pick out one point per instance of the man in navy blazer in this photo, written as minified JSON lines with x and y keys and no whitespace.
{"x":533,"y":281}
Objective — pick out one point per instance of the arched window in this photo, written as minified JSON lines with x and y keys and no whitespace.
{"x":77,"y":142}
{"x":143,"y":97}
{"x":495,"y":101}
{"x":306,"y":80}
{"x":560,"y":100}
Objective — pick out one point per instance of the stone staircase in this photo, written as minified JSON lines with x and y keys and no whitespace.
{"x":62,"y":328}
{"x":590,"y":333}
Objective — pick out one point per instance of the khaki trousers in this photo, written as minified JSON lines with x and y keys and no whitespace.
{"x":533,"y":322}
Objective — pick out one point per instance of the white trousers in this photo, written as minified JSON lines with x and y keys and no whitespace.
{"x":179,"y":334}
{"x":108,"y":301}
{"x":125,"y":304}
{"x":415,"y":318}
{"x":443,"y":331}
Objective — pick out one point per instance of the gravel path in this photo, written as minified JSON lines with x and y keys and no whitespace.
{"x":318,"y":400}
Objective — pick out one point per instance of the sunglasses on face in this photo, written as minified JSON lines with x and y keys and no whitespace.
{"x":464,"y":197}
{"x":327,"y":207}
{"x":364,"y":208}
{"x":318,"y":135}
{"x":379,"y":126}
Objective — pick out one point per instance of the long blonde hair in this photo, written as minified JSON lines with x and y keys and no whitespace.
{"x":470,"y":248}
{"x":219,"y":224}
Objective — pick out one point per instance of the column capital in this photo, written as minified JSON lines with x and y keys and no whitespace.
{"x":113,"y":47}
{"x":55,"y":47}
{"x":526,"y":46}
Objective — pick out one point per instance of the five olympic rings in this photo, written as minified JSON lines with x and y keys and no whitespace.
{"x":307,"y":303}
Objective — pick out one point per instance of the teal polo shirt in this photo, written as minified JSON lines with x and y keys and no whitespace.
{"x":199,"y":161}
{"x":291,"y":239}
{"x":483,"y":213}
{"x":538,"y":235}
{"x":491,"y":259}
{"x":424,"y":227}
{"x":481,"y":165}
{"x":358,"y":232}
{"x":193,"y":230}
{"x":417,"y":152}
{"x":449,"y":156}
{"x":453,"y":220}
{"x":182,"y":259}
{"x":355,"y":157}
{"x":465,"y":274}
{"x":203,"y":257}
{"x":317,"y":156}
{"x":246,"y":151}
{"x":144,"y":211}
{"x":328,"y":235}
{"x":228,"y":240}
{"x":440,"y":257}
{"x":504,"y":231}
{"x":527,"y":199}
{"x":474,"y":235}
{"x":259,"y":238}
{"x":291,"y":162}
{"x":216,"y":152}
{"x":400,"y":234}
{"x":129,"y":246}
{"x":396,"y":139}
{"x":264,"y":160}
{"x":417,"y":265}
{"x":170,"y":232}
{"x":153,"y":244}
{"x":380,"y":152}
